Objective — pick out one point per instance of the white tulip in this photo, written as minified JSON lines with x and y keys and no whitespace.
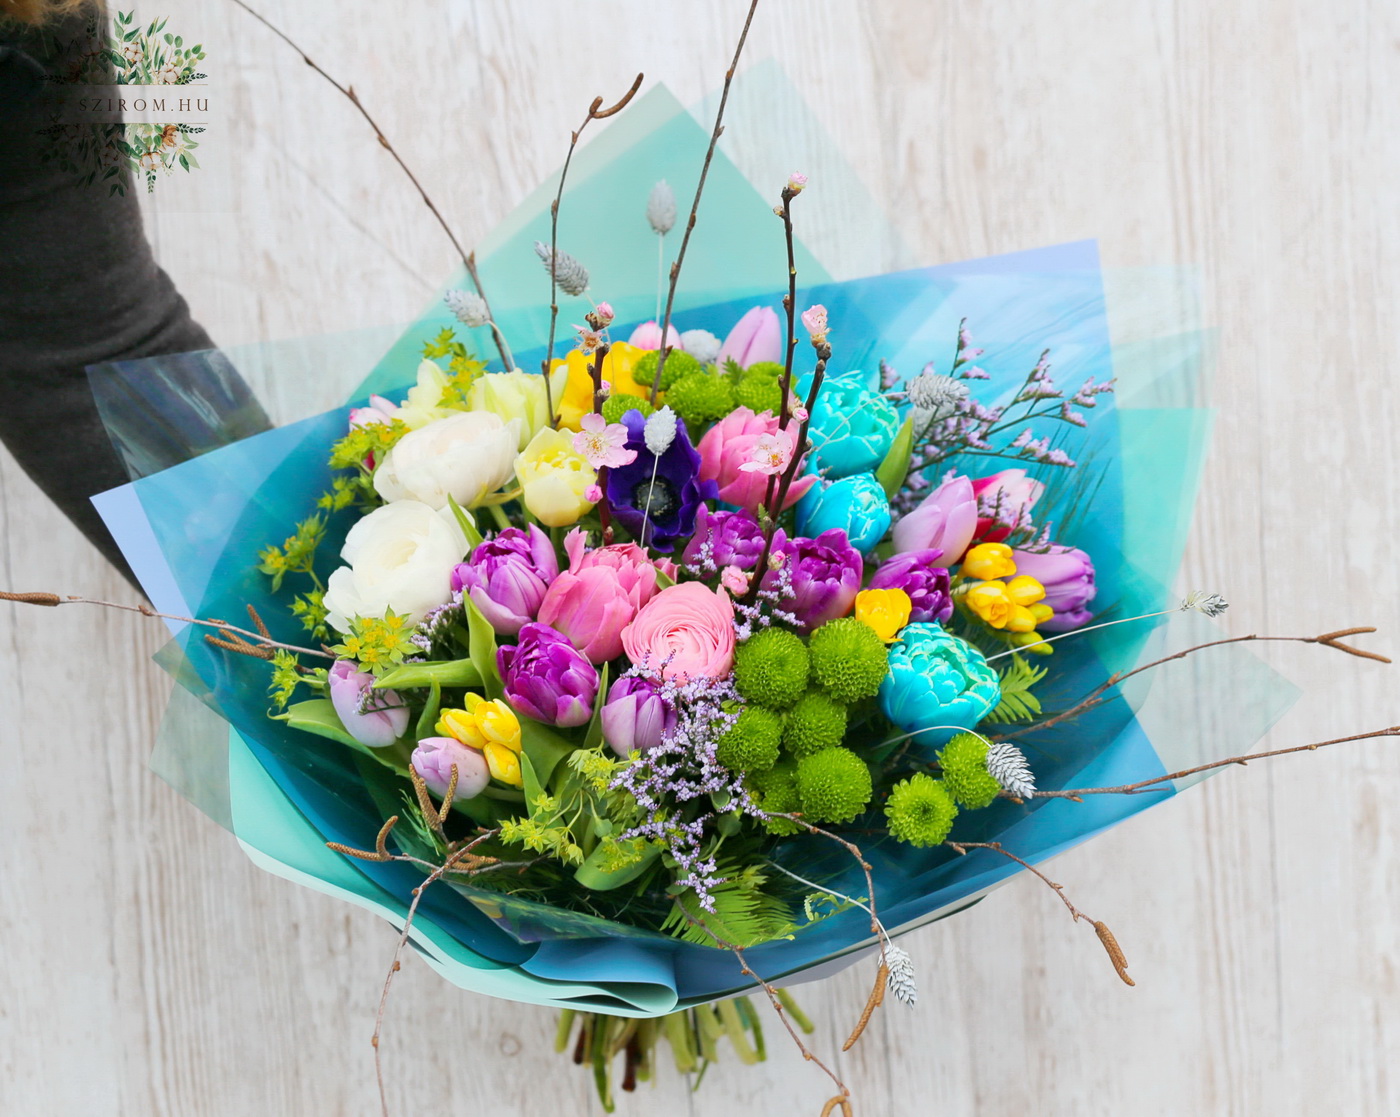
{"x":400,"y":557}
{"x":467,"y":456}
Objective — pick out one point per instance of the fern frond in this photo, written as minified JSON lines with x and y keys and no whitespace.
{"x":1018,"y":703}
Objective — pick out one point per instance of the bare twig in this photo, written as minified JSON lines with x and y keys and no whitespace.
{"x":595,"y":112}
{"x":1110,"y":944}
{"x":604,"y":513}
{"x":228,"y":633}
{"x":1156,"y":782}
{"x":1093,"y":698}
{"x":468,"y":258}
{"x":695,"y":205}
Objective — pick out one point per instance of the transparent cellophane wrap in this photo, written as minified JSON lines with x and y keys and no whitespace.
{"x":191,"y":528}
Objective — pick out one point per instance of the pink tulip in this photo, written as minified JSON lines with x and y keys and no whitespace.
{"x":757,"y":336}
{"x":380,"y":410}
{"x":1004,"y":503}
{"x":597,"y":597}
{"x":377,"y":721}
{"x":946,"y":521}
{"x":648,"y":336}
{"x":729,"y":445}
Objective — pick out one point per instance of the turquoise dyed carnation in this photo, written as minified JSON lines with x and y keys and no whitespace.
{"x":852,"y":427}
{"x":856,"y":505}
{"x":938,"y":685}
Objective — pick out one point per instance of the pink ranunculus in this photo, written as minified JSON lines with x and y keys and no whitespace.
{"x":725,"y":449}
{"x":946,"y":520}
{"x":599,"y":594}
{"x":757,"y":336}
{"x":1004,"y":503}
{"x":648,"y":336}
{"x":686,"y":631}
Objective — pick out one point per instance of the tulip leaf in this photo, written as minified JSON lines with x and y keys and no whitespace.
{"x":318,"y":716}
{"x":456,"y":672}
{"x":543,"y":748}
{"x":593,"y":876}
{"x":466,"y":523}
{"x":533,"y":788}
{"x":895,"y":468}
{"x":427,"y":720}
{"x":482,"y":638}
{"x":594,"y":737}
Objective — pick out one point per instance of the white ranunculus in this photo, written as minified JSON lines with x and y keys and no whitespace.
{"x":519,"y":394}
{"x":400,"y":557}
{"x":466,"y":456}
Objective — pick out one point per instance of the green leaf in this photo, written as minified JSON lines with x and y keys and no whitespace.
{"x":895,"y":468}
{"x":317,"y":715}
{"x":533,"y":788}
{"x":543,"y":748}
{"x":455,"y":672}
{"x":1017,"y":703}
{"x":427,"y":720}
{"x":482,"y":639}
{"x":593,"y":876}
{"x":466,"y":523}
{"x":594,"y":737}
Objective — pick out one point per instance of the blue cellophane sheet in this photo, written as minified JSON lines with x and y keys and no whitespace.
{"x":191,"y":532}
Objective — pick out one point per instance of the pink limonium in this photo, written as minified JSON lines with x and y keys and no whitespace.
{"x":375,"y":718}
{"x":603,"y":443}
{"x":946,"y":521}
{"x":648,"y":336}
{"x":770,"y":453}
{"x":729,"y":446}
{"x":757,"y":336}
{"x":814,"y":319}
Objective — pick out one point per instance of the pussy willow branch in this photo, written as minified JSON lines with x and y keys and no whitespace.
{"x":1154,"y":784}
{"x":259,"y":639}
{"x":468,"y":258}
{"x":1092,"y":699}
{"x":1110,"y":944}
{"x":595,"y":112}
{"x":695,"y":205}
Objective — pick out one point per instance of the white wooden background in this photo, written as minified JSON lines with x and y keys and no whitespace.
{"x":149,"y":969}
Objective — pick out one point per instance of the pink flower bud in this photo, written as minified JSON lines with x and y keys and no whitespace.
{"x":604,"y":314}
{"x":814,"y":319}
{"x":375,"y":718}
{"x":796,"y":182}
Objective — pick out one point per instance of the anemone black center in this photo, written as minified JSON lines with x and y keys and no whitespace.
{"x":656,"y":499}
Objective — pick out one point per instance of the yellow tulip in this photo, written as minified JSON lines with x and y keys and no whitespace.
{"x":886,"y":611}
{"x":490,"y":727}
{"x":578,"y":391}
{"x":989,"y":561}
{"x":504,"y":765}
{"x":554,"y":478}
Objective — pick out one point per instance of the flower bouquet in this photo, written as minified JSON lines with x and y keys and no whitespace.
{"x":722,"y":649}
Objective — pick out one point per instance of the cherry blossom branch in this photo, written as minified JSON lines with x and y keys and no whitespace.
{"x":695,"y":205}
{"x":468,"y":258}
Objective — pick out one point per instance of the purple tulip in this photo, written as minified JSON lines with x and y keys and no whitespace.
{"x":1067,"y":574}
{"x":635,"y":716}
{"x":375,"y":718}
{"x":825,"y":574}
{"x":434,"y":758}
{"x":546,"y":678}
{"x":756,"y":337}
{"x":918,"y":574}
{"x":734,"y":539}
{"x":946,"y":520}
{"x":506,"y":577}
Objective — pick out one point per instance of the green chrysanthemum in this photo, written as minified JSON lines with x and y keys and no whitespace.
{"x":814,"y":723}
{"x":698,"y":398}
{"x":833,"y":785}
{"x":768,"y":370}
{"x":776,"y":790}
{"x":752,"y":744}
{"x":848,"y":659}
{"x":920,"y":811}
{"x":758,"y":393}
{"x":679,"y":363}
{"x":615,"y":407}
{"x":771,"y":668}
{"x":964,"y":763}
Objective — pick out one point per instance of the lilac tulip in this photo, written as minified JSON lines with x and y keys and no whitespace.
{"x":635,"y":716}
{"x":825,"y":574}
{"x":919,"y":575}
{"x":434,"y":759}
{"x":506,"y":577}
{"x":946,"y":520}
{"x":375,"y":718}
{"x":547,"y":679}
{"x":757,"y":336}
{"x":1067,"y":574}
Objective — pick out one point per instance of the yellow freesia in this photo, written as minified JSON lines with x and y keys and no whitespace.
{"x":554,"y":478}
{"x":989,"y":561}
{"x":884,"y":610}
{"x":578,"y":391}
{"x":1009,"y":605}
